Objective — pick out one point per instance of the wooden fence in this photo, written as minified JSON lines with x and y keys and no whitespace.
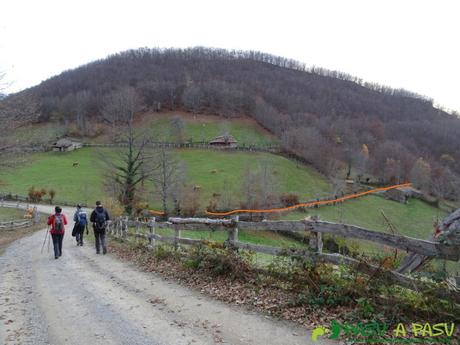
{"x":19,"y":223}
{"x":16,"y":224}
{"x":201,"y":145}
{"x":120,"y":228}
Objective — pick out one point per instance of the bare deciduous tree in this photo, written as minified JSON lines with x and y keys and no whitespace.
{"x":168,"y":177}
{"x":177,"y":129}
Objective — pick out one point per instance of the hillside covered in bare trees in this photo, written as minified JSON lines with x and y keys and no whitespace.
{"x":339,"y":123}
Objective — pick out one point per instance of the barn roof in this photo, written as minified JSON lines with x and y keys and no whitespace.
{"x":223,"y":139}
{"x":64,"y":142}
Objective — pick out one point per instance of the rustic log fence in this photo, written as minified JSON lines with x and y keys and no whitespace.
{"x":16,"y":224}
{"x":19,"y":223}
{"x":200,"y":145}
{"x":120,"y":228}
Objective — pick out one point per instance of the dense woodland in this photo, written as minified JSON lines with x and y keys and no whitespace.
{"x":337,"y":122}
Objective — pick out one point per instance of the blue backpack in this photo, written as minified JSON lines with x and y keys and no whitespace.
{"x":82,"y":218}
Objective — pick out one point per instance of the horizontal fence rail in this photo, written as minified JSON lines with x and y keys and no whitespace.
{"x":16,"y":224}
{"x":120,"y":228}
{"x":200,"y":145}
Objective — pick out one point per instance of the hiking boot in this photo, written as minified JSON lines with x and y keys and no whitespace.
{"x":104,"y":250}
{"x":56,"y":257}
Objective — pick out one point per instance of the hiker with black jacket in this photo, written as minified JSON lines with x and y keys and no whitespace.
{"x":99,"y":218}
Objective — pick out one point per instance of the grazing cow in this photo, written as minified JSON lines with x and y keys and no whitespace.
{"x":75,"y":164}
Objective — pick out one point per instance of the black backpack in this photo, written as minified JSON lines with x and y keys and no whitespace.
{"x":100,"y":220}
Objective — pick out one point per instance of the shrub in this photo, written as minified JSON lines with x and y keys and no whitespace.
{"x":113,"y":206}
{"x":289,"y":199}
{"x":190,"y":202}
{"x":219,"y":261}
{"x":52,"y":194}
{"x":36,"y":195}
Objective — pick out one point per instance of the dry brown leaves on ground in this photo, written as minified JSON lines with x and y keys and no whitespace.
{"x":253,"y":291}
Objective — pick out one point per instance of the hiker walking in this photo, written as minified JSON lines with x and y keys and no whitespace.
{"x":57,"y":221}
{"x":81,"y":223}
{"x":99,"y":218}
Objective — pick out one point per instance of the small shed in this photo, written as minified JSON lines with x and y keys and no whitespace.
{"x":224,"y":141}
{"x":64,"y":145}
{"x":403,"y":194}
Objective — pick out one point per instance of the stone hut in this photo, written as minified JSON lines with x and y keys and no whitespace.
{"x":224,"y":141}
{"x":65,"y":145}
{"x":403,"y":194}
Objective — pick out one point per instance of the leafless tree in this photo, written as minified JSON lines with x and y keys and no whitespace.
{"x":177,"y":129}
{"x":259,"y":186}
{"x":120,"y":107}
{"x":168,"y":178}
{"x":82,"y":100}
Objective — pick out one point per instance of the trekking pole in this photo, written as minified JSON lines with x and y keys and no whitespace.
{"x":49,"y":241}
{"x":46,"y":236}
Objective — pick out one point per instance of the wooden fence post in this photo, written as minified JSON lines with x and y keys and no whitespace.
{"x":176,"y":236}
{"x":35,"y":215}
{"x":124,"y":229}
{"x":233,"y":233}
{"x":316,"y":238}
{"x":152,"y":240}
{"x":138,"y":232}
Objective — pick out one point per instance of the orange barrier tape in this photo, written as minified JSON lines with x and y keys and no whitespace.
{"x":313,"y":203}
{"x":156,"y":212}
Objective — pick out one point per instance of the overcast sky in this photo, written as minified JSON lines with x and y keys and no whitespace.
{"x":401,"y":43}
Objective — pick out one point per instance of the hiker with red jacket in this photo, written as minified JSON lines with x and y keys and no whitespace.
{"x":57,"y":221}
{"x":99,"y":218}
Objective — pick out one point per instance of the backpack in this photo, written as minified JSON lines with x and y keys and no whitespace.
{"x":82,"y":218}
{"x":100,"y":220}
{"x":58,"y":223}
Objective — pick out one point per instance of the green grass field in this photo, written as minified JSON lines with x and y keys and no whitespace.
{"x":212,"y":170}
{"x":53,"y":170}
{"x":204,"y":128}
{"x":413,"y":219}
{"x":7,"y":213}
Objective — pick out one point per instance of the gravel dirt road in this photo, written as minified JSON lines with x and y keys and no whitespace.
{"x":84,"y":298}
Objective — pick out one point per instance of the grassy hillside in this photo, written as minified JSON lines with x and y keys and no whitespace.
{"x":212,"y":170}
{"x":204,"y":128}
{"x":413,"y":219}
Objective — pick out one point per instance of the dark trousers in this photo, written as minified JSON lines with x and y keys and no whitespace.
{"x":57,"y":244}
{"x":79,"y":231}
{"x":100,"y":240}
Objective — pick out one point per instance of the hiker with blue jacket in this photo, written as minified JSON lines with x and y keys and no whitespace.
{"x":81,"y":223}
{"x":99,"y":218}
